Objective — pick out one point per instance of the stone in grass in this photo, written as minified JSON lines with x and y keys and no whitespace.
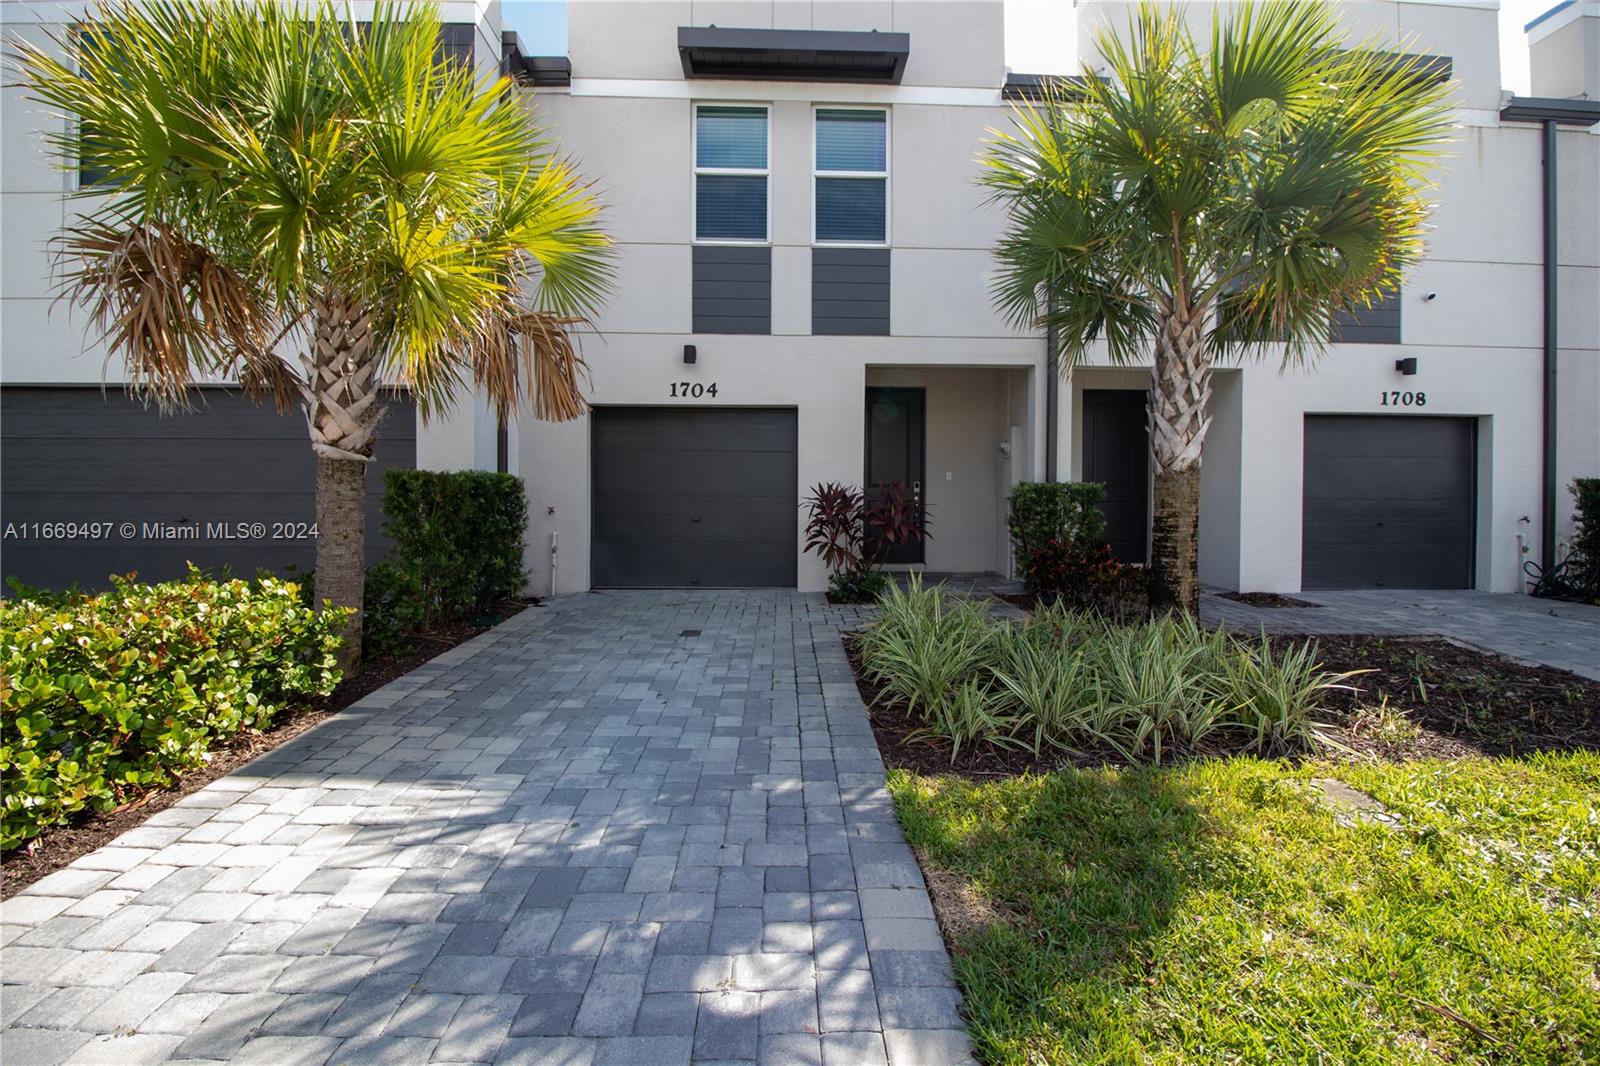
{"x":1351,"y":805}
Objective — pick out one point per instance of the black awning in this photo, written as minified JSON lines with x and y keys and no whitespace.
{"x":793,"y":55}
{"x":1035,"y":86}
{"x":1563,"y":112}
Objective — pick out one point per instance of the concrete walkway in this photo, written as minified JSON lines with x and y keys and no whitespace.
{"x":641,"y":828}
{"x":1549,"y":632}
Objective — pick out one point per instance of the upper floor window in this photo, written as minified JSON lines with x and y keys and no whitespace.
{"x":90,"y":170}
{"x":852,"y":176}
{"x":730,"y":173}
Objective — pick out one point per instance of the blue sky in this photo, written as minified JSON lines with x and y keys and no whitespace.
{"x":1039,"y":34}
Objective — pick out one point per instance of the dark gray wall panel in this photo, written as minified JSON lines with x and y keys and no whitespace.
{"x":1389,"y":502}
{"x":732,"y":289}
{"x":1378,"y":324}
{"x":850,"y":292}
{"x":694,"y":497}
{"x":80,"y":455}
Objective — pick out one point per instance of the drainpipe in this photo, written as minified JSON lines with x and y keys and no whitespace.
{"x":1052,"y":391}
{"x":1552,"y":349}
{"x":1550,"y":113}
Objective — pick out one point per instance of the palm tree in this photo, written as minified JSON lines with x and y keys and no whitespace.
{"x":318,"y":209}
{"x":1190,"y":204}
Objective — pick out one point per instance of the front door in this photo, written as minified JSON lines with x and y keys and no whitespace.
{"x":1116,"y":453}
{"x":895,"y":452}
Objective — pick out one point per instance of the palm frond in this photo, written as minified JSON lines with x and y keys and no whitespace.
{"x":165,"y":302}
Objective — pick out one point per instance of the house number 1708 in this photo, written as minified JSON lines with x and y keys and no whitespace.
{"x":1402,"y":399}
{"x":692,"y":390}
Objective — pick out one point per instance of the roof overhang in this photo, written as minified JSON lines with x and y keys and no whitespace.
{"x":1551,"y":109}
{"x":538,"y":71}
{"x":793,"y":55}
{"x":1037,"y":86}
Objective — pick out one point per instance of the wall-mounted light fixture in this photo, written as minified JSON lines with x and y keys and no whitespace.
{"x":1407,"y":366}
{"x":689,"y":353}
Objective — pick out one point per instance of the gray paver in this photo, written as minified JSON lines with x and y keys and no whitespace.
{"x":583,"y":837}
{"x":1562,"y":635}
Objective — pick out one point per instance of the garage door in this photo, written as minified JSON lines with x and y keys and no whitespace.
{"x":702,"y":497}
{"x":1389,"y":502}
{"x":82,"y":455}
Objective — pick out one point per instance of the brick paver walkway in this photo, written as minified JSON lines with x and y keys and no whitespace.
{"x":623,"y":828}
{"x":1563,"y":635}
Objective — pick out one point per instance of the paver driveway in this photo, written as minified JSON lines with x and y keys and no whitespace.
{"x":1550,"y":632}
{"x":622,"y":828}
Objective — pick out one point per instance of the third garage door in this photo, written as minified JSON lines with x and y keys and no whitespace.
{"x":1388,"y":502}
{"x":701,"y":497}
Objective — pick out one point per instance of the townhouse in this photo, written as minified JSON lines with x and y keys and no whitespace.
{"x":804,"y":263}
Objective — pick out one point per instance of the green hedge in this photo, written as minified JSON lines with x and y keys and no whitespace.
{"x":1584,"y":553}
{"x":104,"y":696}
{"x":1051,"y":517}
{"x":457,"y":541}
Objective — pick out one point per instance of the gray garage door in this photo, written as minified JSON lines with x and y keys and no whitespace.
{"x":1389,"y":502}
{"x":701,"y":497}
{"x":82,"y":455}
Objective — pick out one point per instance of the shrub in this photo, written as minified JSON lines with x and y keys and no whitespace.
{"x":1068,"y":511}
{"x":1070,"y":680}
{"x":457,"y":540}
{"x":1058,"y":537}
{"x":1584,"y":555}
{"x":104,"y":696}
{"x":1087,"y":579}
{"x":849,"y":534}
{"x":925,"y":644}
{"x":395,"y":609}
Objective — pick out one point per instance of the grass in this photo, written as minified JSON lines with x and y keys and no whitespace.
{"x":1220,"y":911}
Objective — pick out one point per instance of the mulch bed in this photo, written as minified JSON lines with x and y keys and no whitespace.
{"x":1265,"y":599}
{"x":60,"y":845}
{"x":1463,"y":702}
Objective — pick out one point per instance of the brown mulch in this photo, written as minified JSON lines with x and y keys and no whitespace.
{"x":1460,"y":702}
{"x":60,"y":845}
{"x":1465,"y":701}
{"x":1265,"y":599}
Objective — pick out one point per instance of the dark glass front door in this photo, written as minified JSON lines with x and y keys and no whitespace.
{"x":896,"y":425}
{"x":1116,"y":453}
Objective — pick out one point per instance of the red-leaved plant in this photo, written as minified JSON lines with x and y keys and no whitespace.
{"x":849,"y":534}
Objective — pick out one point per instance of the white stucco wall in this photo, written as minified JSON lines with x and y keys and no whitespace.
{"x":627,"y":123}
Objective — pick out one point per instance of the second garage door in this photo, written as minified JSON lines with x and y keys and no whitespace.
{"x":703,"y":497}
{"x":1388,"y":502}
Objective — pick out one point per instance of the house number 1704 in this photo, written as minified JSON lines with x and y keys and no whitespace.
{"x":692,"y":390}
{"x":1402,"y":399}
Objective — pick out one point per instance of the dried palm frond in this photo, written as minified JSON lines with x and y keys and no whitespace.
{"x":519,"y":353}
{"x":166,"y":304}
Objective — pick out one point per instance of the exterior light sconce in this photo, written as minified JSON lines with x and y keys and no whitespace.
{"x":1407,"y":366}
{"x":689,"y":354}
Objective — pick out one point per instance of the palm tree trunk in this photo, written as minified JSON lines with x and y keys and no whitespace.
{"x":342,"y":411}
{"x":1180,"y":394}
{"x":341,"y":547}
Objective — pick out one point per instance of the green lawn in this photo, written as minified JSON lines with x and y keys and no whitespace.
{"x":1220,"y":912}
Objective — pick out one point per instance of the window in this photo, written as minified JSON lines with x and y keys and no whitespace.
{"x":852,"y":176}
{"x":730,"y":174}
{"x":90,"y":171}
